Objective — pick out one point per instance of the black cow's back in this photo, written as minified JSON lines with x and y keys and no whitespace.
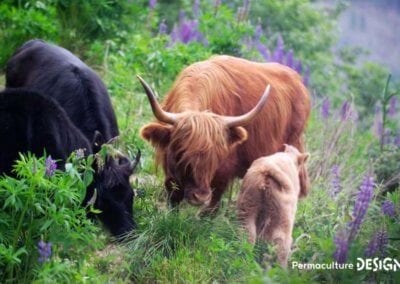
{"x":56,"y":72}
{"x":32,"y":122}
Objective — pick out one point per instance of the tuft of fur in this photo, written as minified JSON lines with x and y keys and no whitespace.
{"x":267,"y":201}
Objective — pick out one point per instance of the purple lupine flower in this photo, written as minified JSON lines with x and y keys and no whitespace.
{"x":182,"y":16}
{"x":386,"y":136}
{"x":396,"y":140}
{"x":174,"y":34}
{"x":279,"y":52}
{"x":51,"y":166}
{"x":388,"y":208}
{"x":152,"y":4}
{"x":44,"y":251}
{"x":341,"y":241}
{"x":289,"y":58}
{"x":378,"y":125}
{"x":80,"y":153}
{"x":363,"y":200}
{"x":383,"y":241}
{"x":372,"y":247}
{"x":306,"y":77}
{"x":377,"y":244}
{"x":263,"y":51}
{"x":298,"y":66}
{"x":188,"y":31}
{"x":258,"y":32}
{"x":196,"y":9}
{"x":162,"y":30}
{"x":326,"y":104}
{"x":345,"y":111}
{"x":336,"y":187}
{"x":392,"y":106}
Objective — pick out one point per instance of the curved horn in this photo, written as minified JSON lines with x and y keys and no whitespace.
{"x":242,"y":120}
{"x":92,"y":200}
{"x":135,"y":162}
{"x":158,"y":112}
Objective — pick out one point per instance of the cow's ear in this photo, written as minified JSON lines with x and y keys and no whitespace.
{"x":303,"y":157}
{"x":97,"y":141}
{"x":237,"y":135}
{"x":157,"y":134}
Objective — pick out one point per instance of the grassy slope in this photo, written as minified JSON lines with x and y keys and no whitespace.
{"x":180,"y":247}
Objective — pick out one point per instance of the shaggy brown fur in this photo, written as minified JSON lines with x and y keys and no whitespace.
{"x":199,"y":154}
{"x":268,"y":198}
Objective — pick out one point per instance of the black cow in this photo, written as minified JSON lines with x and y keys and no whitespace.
{"x":56,"y":72}
{"x":32,"y":122}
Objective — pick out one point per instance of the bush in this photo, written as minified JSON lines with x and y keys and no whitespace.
{"x":21,"y":22}
{"x":37,"y":208}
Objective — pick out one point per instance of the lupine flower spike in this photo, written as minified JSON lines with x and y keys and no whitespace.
{"x":44,"y":251}
{"x":388,"y":208}
{"x":364,"y":198}
{"x":51,"y":166}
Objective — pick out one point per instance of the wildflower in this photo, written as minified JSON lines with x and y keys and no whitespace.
{"x":162,"y":30}
{"x":345,"y":111}
{"x":325,"y":108}
{"x":341,"y":241}
{"x":382,"y":242}
{"x":289,"y":58}
{"x":258,"y":32}
{"x":392,"y":107}
{"x":196,"y":8}
{"x":336,"y":187}
{"x":279,"y":51}
{"x":306,"y":78}
{"x":80,"y":153}
{"x":364,"y":197}
{"x":152,"y":4}
{"x":377,"y":244}
{"x":396,"y":140}
{"x":388,"y":208}
{"x":182,"y":16}
{"x":51,"y":166}
{"x":187,"y":31}
{"x":378,"y":125}
{"x":298,"y":66}
{"x":263,"y":51}
{"x":44,"y":251}
{"x":387,"y":136}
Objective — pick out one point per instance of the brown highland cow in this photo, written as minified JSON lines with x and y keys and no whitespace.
{"x":215,"y":121}
{"x":267,"y":201}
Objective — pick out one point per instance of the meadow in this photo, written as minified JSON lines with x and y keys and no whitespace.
{"x":353,"y":137}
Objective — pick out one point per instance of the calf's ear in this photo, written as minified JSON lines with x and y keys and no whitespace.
{"x":159,"y":135}
{"x":237,"y":135}
{"x":303,"y":157}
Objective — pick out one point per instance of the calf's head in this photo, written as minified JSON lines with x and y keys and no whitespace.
{"x":193,"y":145}
{"x":111,"y":192}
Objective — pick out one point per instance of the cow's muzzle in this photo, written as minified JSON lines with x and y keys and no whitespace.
{"x":199,"y":196}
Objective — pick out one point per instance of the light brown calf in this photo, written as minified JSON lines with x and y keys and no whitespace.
{"x":268,"y":198}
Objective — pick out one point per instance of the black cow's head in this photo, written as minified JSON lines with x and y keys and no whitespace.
{"x":111,"y":192}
